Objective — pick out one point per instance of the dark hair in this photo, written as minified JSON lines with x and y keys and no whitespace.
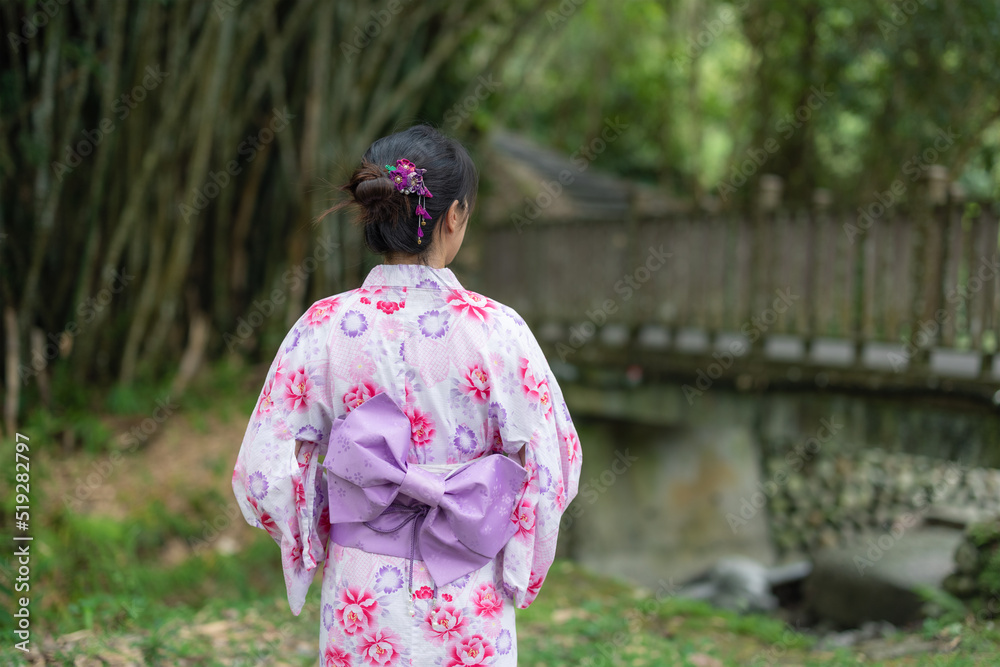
{"x":387,"y":215}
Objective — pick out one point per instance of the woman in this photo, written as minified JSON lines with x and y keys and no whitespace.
{"x":404,"y":388}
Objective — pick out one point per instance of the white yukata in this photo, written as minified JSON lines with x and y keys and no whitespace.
{"x":473,"y":381}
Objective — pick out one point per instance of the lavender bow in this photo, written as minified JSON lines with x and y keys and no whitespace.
{"x":459,"y":521}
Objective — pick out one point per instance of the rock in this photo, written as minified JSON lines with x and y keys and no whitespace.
{"x":978,"y":569}
{"x":960,"y":585}
{"x":848,"y":638}
{"x":967,"y":558}
{"x":975,"y":480}
{"x":828,"y":537}
{"x":735,"y":582}
{"x":742,"y":585}
{"x":958,"y":517}
{"x":787,"y":541}
{"x":876,"y":578}
{"x":905,"y":481}
{"x":993,"y":484}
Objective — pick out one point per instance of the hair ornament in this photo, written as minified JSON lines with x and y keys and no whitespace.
{"x":410,"y":180}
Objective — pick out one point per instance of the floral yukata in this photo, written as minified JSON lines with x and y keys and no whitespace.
{"x":469,"y":375}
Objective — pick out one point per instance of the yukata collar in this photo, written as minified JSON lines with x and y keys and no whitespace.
{"x":411,"y":275}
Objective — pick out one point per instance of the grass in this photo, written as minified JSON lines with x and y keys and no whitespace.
{"x":107,"y":598}
{"x":218,"y":610}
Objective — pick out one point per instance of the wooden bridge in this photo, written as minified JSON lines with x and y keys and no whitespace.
{"x":899,"y":292}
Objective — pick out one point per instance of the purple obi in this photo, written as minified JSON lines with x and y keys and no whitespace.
{"x":459,"y":520}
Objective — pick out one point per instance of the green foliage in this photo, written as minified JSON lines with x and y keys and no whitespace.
{"x":77,"y":418}
{"x":83,"y":428}
{"x":853,"y":94}
{"x":989,"y":577}
{"x":947,"y":609}
{"x":984,"y":533}
{"x":133,"y":399}
{"x":97,"y":572}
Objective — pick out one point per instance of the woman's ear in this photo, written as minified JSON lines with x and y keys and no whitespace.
{"x":452,"y":219}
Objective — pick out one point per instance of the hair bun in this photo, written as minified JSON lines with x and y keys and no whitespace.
{"x":376,"y":194}
{"x":372,"y":187}
{"x":389,"y":217}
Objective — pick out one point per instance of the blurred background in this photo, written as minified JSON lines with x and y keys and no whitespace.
{"x":757,"y":240}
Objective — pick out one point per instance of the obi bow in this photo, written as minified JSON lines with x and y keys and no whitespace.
{"x":460,"y":521}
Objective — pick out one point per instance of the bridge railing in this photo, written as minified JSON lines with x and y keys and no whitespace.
{"x":885,"y":285}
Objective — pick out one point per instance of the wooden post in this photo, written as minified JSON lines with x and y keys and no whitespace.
{"x":818,"y":298}
{"x":768,"y":199}
{"x":955,"y":251}
{"x":984,"y":279}
{"x":931,"y":216}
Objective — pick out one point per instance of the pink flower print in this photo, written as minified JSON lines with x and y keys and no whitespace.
{"x":390,"y":307}
{"x":487,"y":602}
{"x":380,"y":647}
{"x":323,"y":526}
{"x":534,"y":389}
{"x":471,"y":304}
{"x":423,"y":593}
{"x":362,"y":367}
{"x":304,"y":458}
{"x":321,"y":311}
{"x":446,"y":597}
{"x":531,"y":481}
{"x":545,"y":398}
{"x":356,"y":610}
{"x":358,"y":394}
{"x":334,"y":657}
{"x":266,"y":520}
{"x":524,"y":371}
{"x":366,"y":293}
{"x":445,"y":624}
{"x":535,"y":584}
{"x":282,"y":430}
{"x":496,"y":363}
{"x":497,"y":447}
{"x":476,"y":384}
{"x":280,"y":370}
{"x":421,"y":427}
{"x":524,"y":517}
{"x":392,"y":329}
{"x":266,"y":404}
{"x":300,"y":493}
{"x":474,"y":650}
{"x":560,"y":497}
{"x":294,"y":557}
{"x":269,"y":524}
{"x":572,"y":448}
{"x":297,"y":390}
{"x":529,"y":385}
{"x":492,"y":627}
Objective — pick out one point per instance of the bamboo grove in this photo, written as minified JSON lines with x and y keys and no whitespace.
{"x":162,"y":166}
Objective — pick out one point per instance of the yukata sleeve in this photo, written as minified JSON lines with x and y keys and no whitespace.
{"x":277,"y":478}
{"x":528,"y":411}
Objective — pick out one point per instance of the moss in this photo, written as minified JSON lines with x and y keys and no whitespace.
{"x":989,"y":577}
{"x":982,"y":534}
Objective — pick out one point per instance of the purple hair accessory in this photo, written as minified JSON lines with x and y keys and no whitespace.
{"x":409,"y":180}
